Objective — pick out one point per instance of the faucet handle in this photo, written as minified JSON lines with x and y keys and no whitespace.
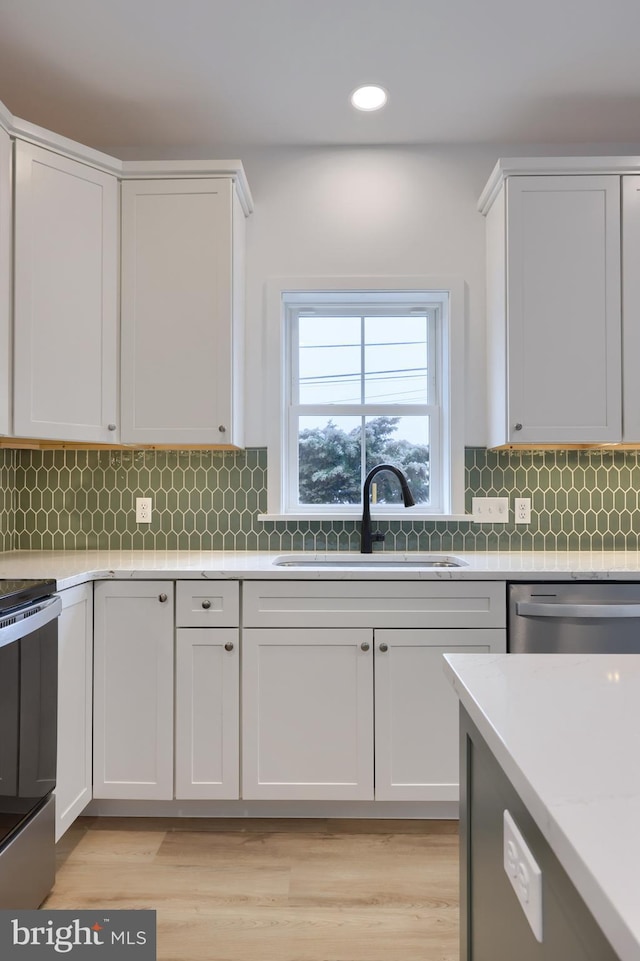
{"x":377,"y":536}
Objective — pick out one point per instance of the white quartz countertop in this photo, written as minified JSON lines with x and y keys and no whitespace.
{"x":564,"y":728}
{"x":74,"y":567}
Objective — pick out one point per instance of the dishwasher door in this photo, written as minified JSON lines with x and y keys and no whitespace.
{"x":573,"y":618}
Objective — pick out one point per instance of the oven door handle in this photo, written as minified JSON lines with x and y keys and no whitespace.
{"x":45,"y":611}
{"x":546,"y":609}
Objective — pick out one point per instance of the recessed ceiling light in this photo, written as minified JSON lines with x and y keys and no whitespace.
{"x":369,"y":97}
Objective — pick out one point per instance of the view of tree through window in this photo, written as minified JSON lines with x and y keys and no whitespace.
{"x":330,"y":459}
{"x":361,"y":395}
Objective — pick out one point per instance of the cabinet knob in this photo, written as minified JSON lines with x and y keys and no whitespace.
{"x":206,"y":605}
{"x":365,"y":646}
{"x":162,"y":598}
{"x":228,"y":646}
{"x":111,"y":426}
{"x":384,"y":647}
{"x":222,"y":429}
{"x":518,"y":426}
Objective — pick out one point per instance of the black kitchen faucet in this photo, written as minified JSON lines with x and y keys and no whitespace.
{"x":407,"y":497}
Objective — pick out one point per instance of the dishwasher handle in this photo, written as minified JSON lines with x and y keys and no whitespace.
{"x":546,"y":609}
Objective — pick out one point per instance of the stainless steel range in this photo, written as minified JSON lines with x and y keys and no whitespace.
{"x":28,"y":715}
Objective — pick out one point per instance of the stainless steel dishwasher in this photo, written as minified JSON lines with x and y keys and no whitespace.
{"x":574,"y":618}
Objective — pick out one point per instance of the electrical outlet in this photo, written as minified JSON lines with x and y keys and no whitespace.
{"x":522,"y":510}
{"x":524,"y":874}
{"x":490,"y":510}
{"x":144,"y":507}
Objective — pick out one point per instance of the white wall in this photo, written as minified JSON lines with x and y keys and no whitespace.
{"x":353,"y":211}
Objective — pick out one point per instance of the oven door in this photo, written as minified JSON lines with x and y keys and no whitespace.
{"x":28,"y":711}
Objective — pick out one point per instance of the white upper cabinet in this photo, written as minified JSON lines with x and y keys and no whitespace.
{"x":631,"y":308}
{"x":182,"y":312}
{"x":65,"y":298}
{"x":554,"y":311}
{"x":5,"y":282}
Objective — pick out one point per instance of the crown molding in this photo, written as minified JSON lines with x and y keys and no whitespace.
{"x":166,"y":169}
{"x":551,"y":166}
{"x":127,"y":169}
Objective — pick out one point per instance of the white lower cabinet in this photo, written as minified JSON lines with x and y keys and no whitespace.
{"x":313,"y":711}
{"x":325,"y":706}
{"x":134,"y":718}
{"x":133,"y":690}
{"x":75,"y":693}
{"x":207,"y":707}
{"x":307,"y":721}
{"x":416,"y":714}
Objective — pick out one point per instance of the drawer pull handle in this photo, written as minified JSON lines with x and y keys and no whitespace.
{"x":384,"y":647}
{"x":111,"y":426}
{"x":228,"y":646}
{"x":206,"y":605}
{"x":162,"y":598}
{"x":364,"y":646}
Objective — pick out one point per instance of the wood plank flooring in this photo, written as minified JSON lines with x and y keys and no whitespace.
{"x":272,"y":890}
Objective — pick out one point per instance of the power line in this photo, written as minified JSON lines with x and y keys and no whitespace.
{"x":358,"y":344}
{"x":373,"y":375}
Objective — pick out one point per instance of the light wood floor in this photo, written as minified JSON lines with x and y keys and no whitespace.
{"x":252,"y":890}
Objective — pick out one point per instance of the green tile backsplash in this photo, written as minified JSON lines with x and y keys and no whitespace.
{"x":7,"y":494}
{"x":209,"y":500}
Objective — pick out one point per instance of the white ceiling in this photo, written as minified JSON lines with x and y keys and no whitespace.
{"x":190,"y":74}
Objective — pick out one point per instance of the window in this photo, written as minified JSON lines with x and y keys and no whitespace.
{"x":364,"y":378}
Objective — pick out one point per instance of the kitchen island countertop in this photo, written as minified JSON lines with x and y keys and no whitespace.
{"x":564,"y":729}
{"x":75,"y":567}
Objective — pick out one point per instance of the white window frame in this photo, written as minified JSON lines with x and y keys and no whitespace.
{"x":281,"y":294}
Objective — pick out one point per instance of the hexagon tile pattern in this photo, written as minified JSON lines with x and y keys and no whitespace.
{"x":209,"y":500}
{"x":7,"y":495}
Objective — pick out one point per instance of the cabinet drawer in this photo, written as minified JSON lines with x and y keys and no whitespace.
{"x":207,"y":604}
{"x":374,"y":604}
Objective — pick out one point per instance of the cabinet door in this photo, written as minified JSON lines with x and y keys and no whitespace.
{"x":631,"y":308}
{"x":207,"y":713}
{"x":66,"y":284}
{"x":133,"y":690}
{"x":307,"y":714}
{"x":416,"y":726}
{"x":563,"y":307}
{"x":180,"y":340}
{"x":75,"y":704}
{"x":5,"y":282}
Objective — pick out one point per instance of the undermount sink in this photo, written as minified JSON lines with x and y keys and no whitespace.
{"x":346,"y":561}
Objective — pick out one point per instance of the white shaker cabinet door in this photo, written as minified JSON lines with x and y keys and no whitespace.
{"x":66,"y":298}
{"x":416,"y":727}
{"x":554,"y":313}
{"x":182,"y":304}
{"x":75,"y":705}
{"x":307,"y":714}
{"x":631,"y":308}
{"x":5,"y":283}
{"x":133,"y":690}
{"x":207,"y":713}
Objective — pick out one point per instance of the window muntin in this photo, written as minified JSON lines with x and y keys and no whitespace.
{"x":364,"y":388}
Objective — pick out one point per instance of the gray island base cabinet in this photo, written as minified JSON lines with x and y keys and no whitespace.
{"x":493,"y":926}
